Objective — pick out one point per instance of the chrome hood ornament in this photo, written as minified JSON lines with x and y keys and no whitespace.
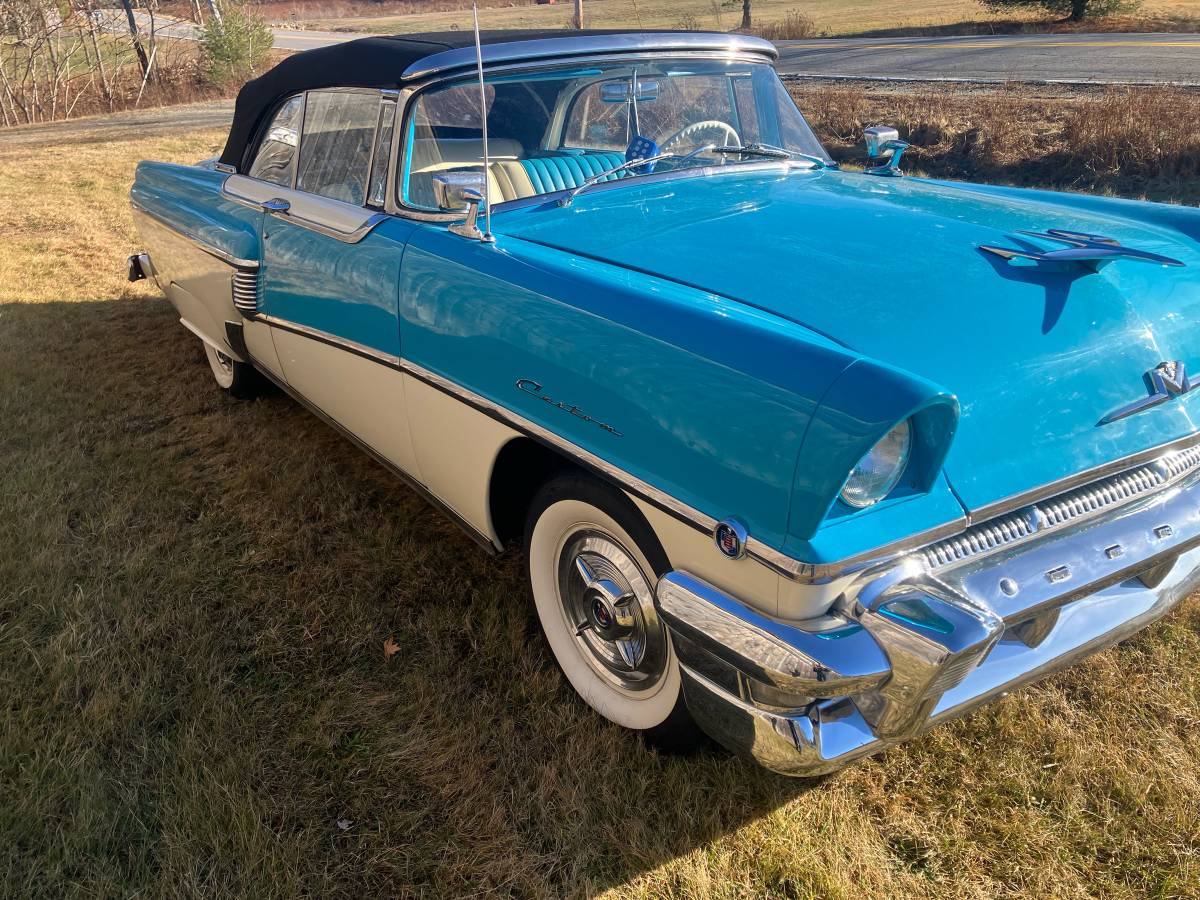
{"x":1093,"y":251}
{"x":1167,"y":380}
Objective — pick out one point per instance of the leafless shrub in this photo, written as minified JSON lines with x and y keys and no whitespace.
{"x":792,"y":26}
{"x":687,"y":22}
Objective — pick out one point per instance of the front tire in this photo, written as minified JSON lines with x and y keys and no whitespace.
{"x":593,"y":565}
{"x":240,"y":379}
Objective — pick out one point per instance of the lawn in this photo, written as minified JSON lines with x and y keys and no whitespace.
{"x":195,"y":596}
{"x":831,"y":17}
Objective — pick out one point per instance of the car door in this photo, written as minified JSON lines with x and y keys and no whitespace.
{"x":331,"y":264}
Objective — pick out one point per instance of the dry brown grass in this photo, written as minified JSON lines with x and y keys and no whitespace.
{"x":828,"y":17}
{"x":1134,"y":142}
{"x":194,"y":595}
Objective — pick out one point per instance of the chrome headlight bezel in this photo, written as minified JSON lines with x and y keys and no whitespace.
{"x":880,"y":469}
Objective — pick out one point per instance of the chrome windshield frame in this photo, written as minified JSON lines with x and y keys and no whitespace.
{"x":645,"y":51}
{"x":588,"y":46}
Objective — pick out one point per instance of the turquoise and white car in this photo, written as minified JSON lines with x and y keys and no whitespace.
{"x":807,"y":459}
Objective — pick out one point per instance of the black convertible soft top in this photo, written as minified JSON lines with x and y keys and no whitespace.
{"x":381,"y":62}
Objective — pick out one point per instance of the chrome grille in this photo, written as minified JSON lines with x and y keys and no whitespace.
{"x":1067,"y":507}
{"x":245,"y":291}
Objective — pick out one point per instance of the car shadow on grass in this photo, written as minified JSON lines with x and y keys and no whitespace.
{"x":299,"y":676}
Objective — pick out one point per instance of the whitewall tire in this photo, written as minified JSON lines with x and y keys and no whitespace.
{"x":593,"y":567}
{"x":240,"y":379}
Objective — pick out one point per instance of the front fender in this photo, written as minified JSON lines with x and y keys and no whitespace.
{"x":866,"y":401}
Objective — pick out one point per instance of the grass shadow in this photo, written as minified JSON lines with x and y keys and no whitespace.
{"x":197,"y":595}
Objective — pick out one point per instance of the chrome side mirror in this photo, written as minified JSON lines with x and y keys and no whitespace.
{"x":458,"y":191}
{"x":450,"y":189}
{"x":884,"y":142}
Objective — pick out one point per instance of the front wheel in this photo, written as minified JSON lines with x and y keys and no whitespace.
{"x":240,"y":379}
{"x":593,"y":566}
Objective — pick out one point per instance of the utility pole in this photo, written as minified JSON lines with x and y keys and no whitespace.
{"x":579,"y":15}
{"x":136,"y":37}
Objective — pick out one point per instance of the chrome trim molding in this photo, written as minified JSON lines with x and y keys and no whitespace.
{"x":1167,"y":380}
{"x":285,"y":213}
{"x":1169,"y":464}
{"x":200,"y":244}
{"x":386,"y":359}
{"x":588,"y":45}
{"x":1063,"y":508}
{"x":483,"y":540}
{"x":247,"y":291}
{"x":1017,"y":501}
{"x":346,"y":237}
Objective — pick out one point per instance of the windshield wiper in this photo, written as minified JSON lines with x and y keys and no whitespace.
{"x":628,"y":164}
{"x":773,"y":152}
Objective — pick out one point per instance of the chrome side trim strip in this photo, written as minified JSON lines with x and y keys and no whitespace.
{"x":647,"y":492}
{"x":346,"y":237}
{"x":427,"y":495}
{"x":567,"y":47}
{"x":774,"y":559}
{"x":386,"y":359}
{"x":200,"y":244}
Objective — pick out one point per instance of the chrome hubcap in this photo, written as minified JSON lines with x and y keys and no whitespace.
{"x":607,"y":602}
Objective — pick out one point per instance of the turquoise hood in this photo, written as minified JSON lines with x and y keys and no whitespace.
{"x":890,"y":268}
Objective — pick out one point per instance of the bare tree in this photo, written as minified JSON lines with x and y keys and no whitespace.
{"x":579,"y":14}
{"x":747,"y":24}
{"x":214,"y":10}
{"x":88,"y":9}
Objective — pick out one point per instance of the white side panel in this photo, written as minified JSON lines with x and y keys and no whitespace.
{"x":261,"y":346}
{"x":364,"y":397}
{"x":694,"y":551}
{"x":456,"y":446}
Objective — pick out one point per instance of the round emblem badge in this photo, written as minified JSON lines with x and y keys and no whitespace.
{"x":730,"y":538}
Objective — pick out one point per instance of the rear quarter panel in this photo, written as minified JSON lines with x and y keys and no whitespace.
{"x":187,"y":226}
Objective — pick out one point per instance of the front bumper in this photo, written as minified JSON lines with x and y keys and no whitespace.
{"x":919,"y":641}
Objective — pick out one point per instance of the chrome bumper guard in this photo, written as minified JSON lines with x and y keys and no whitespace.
{"x":914,"y":645}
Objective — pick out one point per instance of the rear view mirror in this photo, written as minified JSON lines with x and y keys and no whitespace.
{"x":619,"y":92}
{"x":450,"y":189}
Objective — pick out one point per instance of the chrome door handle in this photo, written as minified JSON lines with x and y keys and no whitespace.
{"x":275,"y":206}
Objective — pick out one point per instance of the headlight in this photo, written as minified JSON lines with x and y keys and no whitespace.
{"x":877,"y":473}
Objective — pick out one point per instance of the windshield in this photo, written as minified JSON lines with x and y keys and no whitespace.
{"x":553,"y":129}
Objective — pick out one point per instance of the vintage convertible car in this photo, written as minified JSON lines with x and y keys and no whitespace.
{"x":811,"y":459}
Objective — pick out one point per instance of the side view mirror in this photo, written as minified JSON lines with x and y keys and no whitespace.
{"x":883,"y":142}
{"x":450,"y":189}
{"x":458,"y":191}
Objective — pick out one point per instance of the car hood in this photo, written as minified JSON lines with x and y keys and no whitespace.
{"x":890,"y":268}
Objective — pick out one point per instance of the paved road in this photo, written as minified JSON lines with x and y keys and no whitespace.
{"x":1090,"y":58}
{"x":1087,"y":58}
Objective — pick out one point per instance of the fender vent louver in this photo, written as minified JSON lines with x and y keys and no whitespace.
{"x":246,"y":291}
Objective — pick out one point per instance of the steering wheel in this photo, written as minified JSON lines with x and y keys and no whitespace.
{"x":728,"y":134}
